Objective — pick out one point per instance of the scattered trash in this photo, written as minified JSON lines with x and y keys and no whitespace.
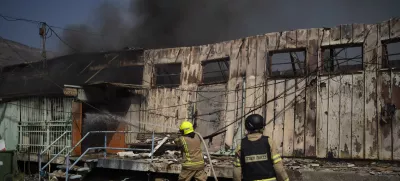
{"x":127,"y":154}
{"x":2,"y":145}
{"x":364,"y":167}
{"x":351,"y":165}
{"x":315,"y":165}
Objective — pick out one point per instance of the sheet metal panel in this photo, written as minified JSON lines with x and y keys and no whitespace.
{"x":357,"y":117}
{"x":346,"y":85}
{"x":322,"y":121}
{"x":288,"y":129}
{"x":279,"y":115}
{"x":9,"y":120}
{"x":333,"y":116}
{"x":215,"y":103}
{"x":299,"y":117}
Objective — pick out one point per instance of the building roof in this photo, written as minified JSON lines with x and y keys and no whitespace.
{"x":48,"y":78}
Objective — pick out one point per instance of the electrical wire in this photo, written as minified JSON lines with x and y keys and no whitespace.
{"x":94,"y":107}
{"x":10,"y":18}
{"x":262,"y":85}
{"x":273,"y":99}
{"x":55,"y":33}
{"x":197,"y":115}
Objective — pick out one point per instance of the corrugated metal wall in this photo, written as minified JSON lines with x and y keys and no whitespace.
{"x":318,"y":115}
{"x":35,"y":122}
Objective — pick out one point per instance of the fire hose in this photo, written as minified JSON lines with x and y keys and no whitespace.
{"x":208,"y":155}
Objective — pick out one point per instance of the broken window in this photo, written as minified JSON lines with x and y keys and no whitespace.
{"x":391,"y":55}
{"x":342,"y":59}
{"x":287,"y":64}
{"x":168,"y":75}
{"x":215,"y":71}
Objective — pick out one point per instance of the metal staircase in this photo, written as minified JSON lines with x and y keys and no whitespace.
{"x":79,"y":167}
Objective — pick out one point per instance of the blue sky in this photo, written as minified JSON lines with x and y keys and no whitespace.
{"x":53,"y":12}
{"x":286,"y":15}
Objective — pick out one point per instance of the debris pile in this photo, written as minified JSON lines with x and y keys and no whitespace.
{"x":362,"y":167}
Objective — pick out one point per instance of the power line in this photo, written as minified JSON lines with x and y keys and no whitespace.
{"x":55,"y":33}
{"x":10,"y":18}
{"x":148,"y":110}
{"x":262,"y":85}
{"x":228,"y":125}
{"x":273,"y":99}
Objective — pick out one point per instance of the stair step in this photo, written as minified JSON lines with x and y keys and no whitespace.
{"x":75,"y":168}
{"x":75,"y":176}
{"x":82,"y":169}
{"x":91,"y":160}
{"x":60,"y":174}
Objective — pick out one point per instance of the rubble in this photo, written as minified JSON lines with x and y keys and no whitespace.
{"x":361,"y":167}
{"x":127,"y":154}
{"x":224,"y":159}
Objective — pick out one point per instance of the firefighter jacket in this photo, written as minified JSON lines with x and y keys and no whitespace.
{"x":191,"y":152}
{"x":271,"y":161}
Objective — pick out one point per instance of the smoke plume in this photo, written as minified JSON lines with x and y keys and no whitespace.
{"x":170,"y":23}
{"x":160,"y":24}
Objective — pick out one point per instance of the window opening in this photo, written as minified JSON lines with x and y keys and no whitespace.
{"x":287,"y":64}
{"x":215,"y":71}
{"x":391,"y":55}
{"x":342,"y":59}
{"x":168,"y":75}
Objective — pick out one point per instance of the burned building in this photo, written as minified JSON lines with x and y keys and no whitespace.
{"x":325,"y":93}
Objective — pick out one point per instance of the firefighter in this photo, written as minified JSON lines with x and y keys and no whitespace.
{"x":193,"y":162}
{"x":257,"y":158}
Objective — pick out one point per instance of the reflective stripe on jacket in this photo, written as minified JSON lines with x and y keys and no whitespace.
{"x":277,"y":160}
{"x":191,"y":152}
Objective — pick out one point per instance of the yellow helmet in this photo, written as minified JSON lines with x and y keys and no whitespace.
{"x":186,"y":127}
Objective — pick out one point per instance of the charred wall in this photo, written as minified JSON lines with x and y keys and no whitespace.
{"x":321,"y":114}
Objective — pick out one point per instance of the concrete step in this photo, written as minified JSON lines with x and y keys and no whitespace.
{"x":75,"y":168}
{"x":91,"y":160}
{"x":61,"y":174}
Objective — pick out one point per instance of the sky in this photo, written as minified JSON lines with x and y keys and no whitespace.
{"x":273,"y":15}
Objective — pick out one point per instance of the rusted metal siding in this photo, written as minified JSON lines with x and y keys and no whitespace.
{"x":319,"y":115}
{"x":76,"y":126}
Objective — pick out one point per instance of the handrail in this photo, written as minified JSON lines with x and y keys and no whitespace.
{"x":79,"y":142}
{"x":96,"y":132}
{"x":76,"y":145}
{"x":107,"y":148}
{"x":49,"y":162}
{"x":48,"y":147}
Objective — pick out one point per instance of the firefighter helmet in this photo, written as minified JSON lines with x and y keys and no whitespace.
{"x":254,"y":122}
{"x":186,"y":127}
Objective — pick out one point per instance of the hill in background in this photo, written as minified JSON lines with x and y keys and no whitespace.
{"x":8,"y":56}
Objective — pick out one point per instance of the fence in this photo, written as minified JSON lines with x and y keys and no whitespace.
{"x":42,"y":121}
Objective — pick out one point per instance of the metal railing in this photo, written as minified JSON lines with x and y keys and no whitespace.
{"x":46,"y":149}
{"x":69,"y":167}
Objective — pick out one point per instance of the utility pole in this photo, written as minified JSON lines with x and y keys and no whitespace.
{"x":42,"y":33}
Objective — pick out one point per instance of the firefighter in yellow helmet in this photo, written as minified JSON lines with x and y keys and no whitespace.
{"x":193,"y":162}
{"x":257,"y":157}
